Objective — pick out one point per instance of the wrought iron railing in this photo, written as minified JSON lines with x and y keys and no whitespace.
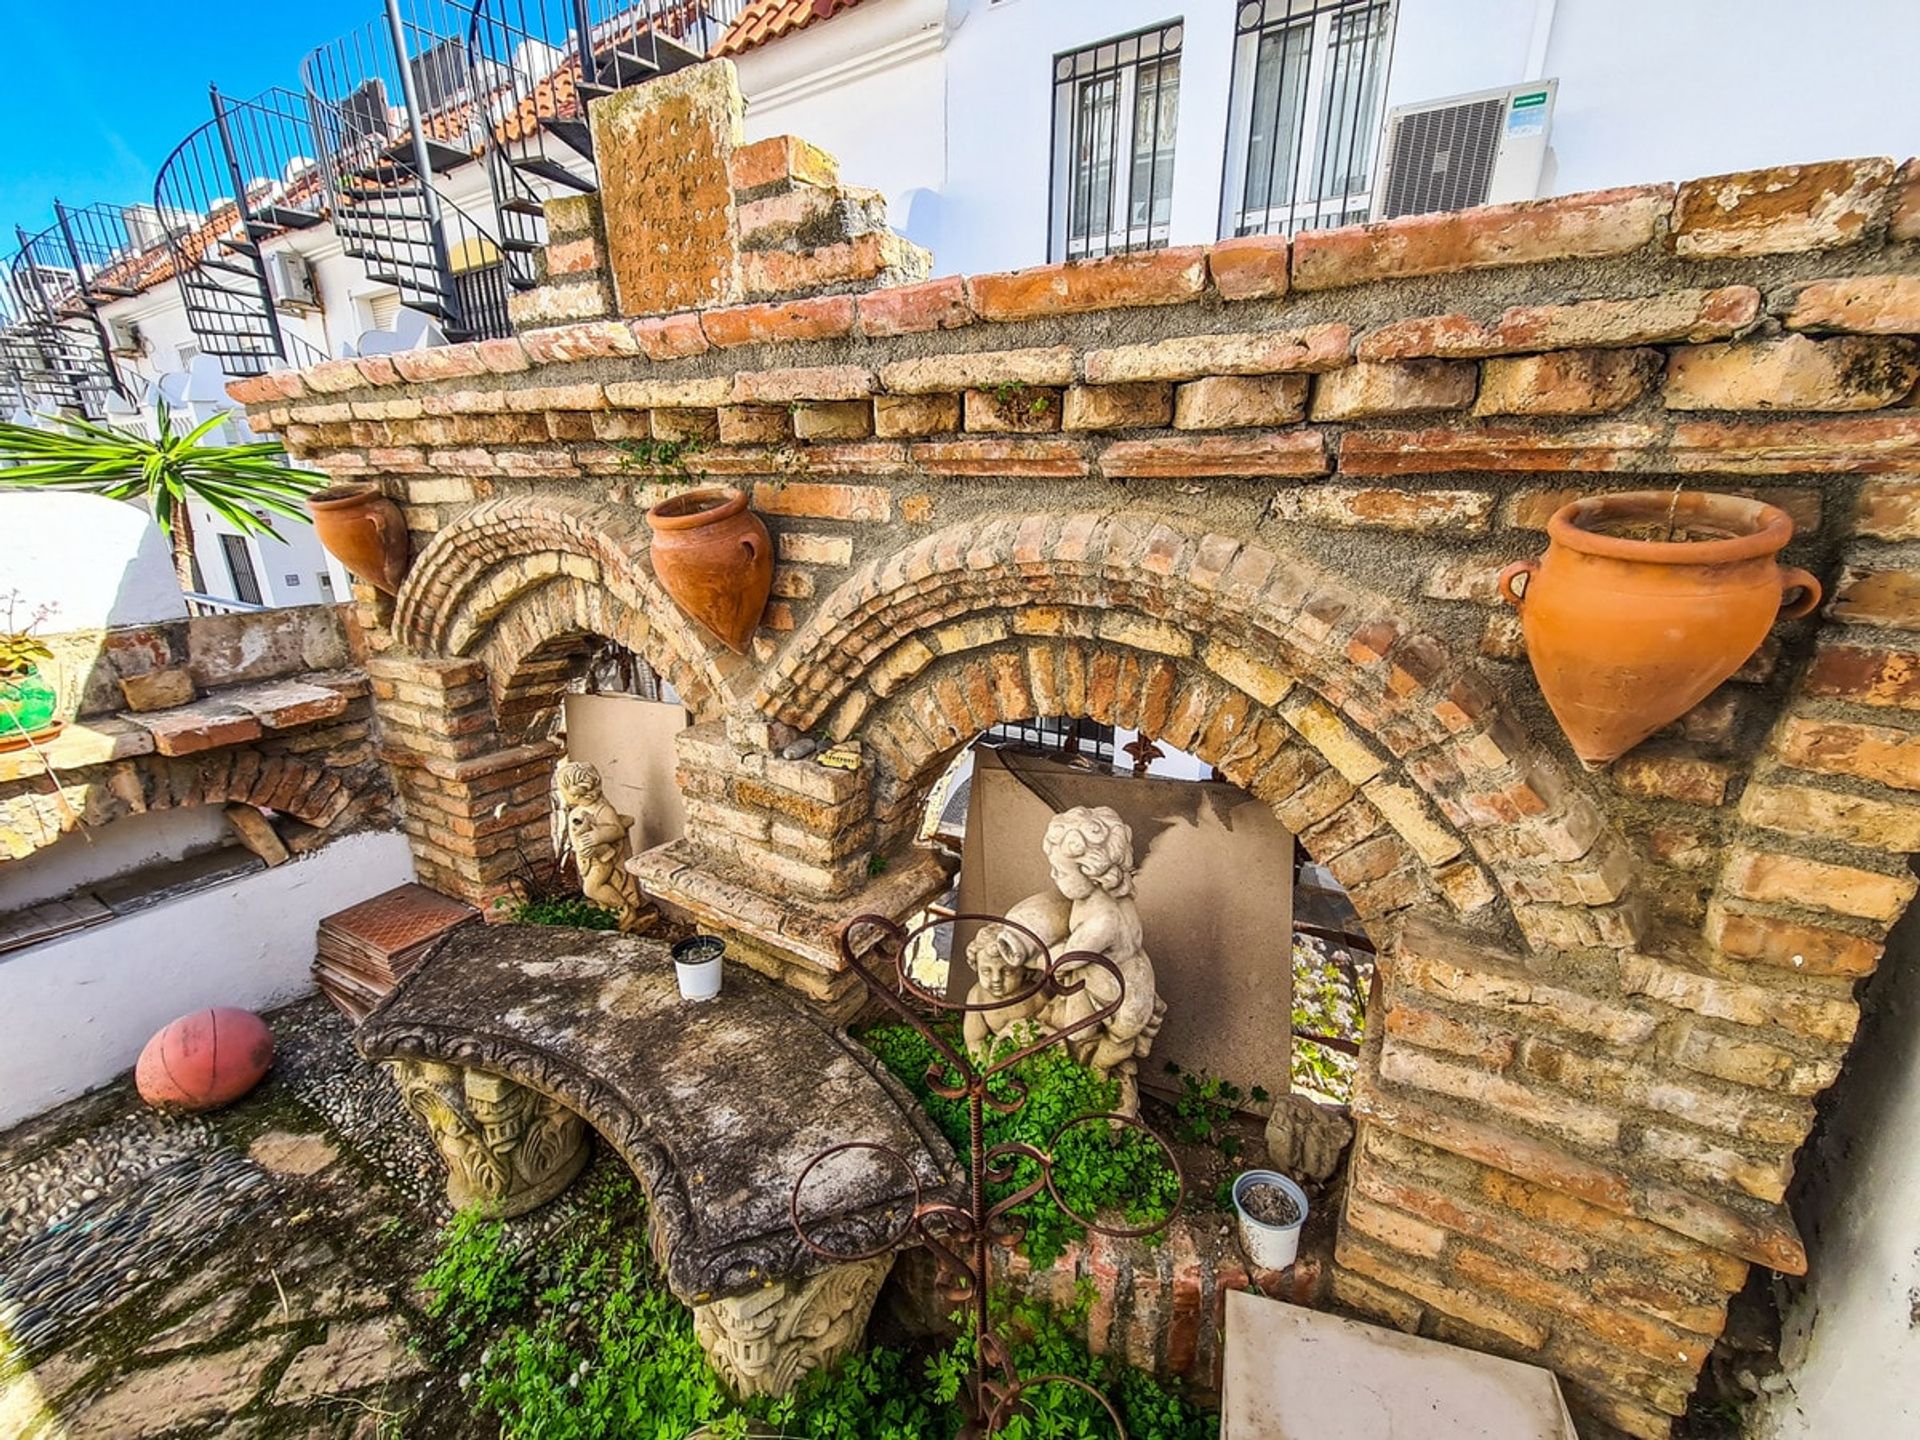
{"x":55,"y":347}
{"x":535,"y":64}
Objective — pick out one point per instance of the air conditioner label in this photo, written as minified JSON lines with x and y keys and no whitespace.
{"x":1527,"y":114}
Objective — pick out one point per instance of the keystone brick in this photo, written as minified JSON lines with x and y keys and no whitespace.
{"x":1319,"y":347}
{"x":1293,"y":452}
{"x":979,"y":370}
{"x":1144,"y":404}
{"x":1778,"y":210}
{"x":1566,"y":382}
{"x":1569,"y":227}
{"x":1373,"y":388}
{"x":1235,"y":402}
{"x":1150,"y":277}
{"x":1794,"y":372}
{"x":1865,"y":752}
{"x":1250,"y":267}
{"x":1361,"y":507}
{"x":1863,"y":304}
{"x":898,"y":415}
{"x":916,"y":309}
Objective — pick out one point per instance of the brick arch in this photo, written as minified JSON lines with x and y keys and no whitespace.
{"x":309,"y":792}
{"x":1252,"y":658}
{"x":521,"y":573}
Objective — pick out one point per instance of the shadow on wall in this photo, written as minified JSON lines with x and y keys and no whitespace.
{"x":1850,"y":1350}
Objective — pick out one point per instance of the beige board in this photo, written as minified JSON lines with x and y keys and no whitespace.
{"x":1294,"y":1374}
{"x":1215,"y":888}
{"x":630,"y":742}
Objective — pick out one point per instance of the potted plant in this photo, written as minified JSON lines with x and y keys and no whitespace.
{"x":1645,"y":602}
{"x":172,"y":471}
{"x":1271,"y":1209}
{"x":696,"y":965}
{"x":28,"y":695}
{"x":714,"y":557}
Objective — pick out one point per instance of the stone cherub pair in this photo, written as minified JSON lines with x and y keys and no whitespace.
{"x":586,"y":825}
{"x":1091,"y":908}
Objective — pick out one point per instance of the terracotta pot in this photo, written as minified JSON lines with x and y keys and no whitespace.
{"x":716,"y":560}
{"x":364,"y":531}
{"x":1626,"y":634}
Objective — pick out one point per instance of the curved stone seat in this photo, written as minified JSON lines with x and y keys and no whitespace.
{"x":716,"y":1106}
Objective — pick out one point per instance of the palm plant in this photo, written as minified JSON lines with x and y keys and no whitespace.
{"x":168,"y":471}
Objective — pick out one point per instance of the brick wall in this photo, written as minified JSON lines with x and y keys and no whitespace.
{"x":1250,"y":498}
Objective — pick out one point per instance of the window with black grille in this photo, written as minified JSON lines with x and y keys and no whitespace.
{"x":1309,"y":79}
{"x":246,"y":585}
{"x":1116,"y":106}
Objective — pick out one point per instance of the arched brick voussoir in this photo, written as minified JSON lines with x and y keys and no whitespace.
{"x":483,"y":568}
{"x":1417,"y":729}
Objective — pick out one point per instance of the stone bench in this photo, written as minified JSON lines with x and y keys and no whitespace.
{"x":509,"y":1042}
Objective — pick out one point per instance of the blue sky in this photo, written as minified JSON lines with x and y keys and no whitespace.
{"x":94,"y":94}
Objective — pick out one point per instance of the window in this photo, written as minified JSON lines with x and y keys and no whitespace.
{"x":246,"y":585}
{"x":1115,"y":109}
{"x":1309,"y":77}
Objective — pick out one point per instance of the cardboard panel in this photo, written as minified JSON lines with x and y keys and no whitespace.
{"x":630,"y":741}
{"x":1215,"y":888}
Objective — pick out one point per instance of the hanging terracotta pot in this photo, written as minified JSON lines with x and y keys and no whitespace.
{"x":715,"y":559}
{"x":1644,"y":603}
{"x":364,"y":531}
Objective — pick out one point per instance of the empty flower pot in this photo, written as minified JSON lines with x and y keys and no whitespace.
{"x":1268,"y":1232}
{"x":715,"y":559}
{"x":364,"y":531}
{"x":696,"y":965}
{"x":1644,"y":603}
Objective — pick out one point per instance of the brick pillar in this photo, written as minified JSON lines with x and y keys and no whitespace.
{"x":472,"y":808}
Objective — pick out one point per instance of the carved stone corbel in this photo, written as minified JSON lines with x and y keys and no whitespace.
{"x":766,"y":1343}
{"x":508,"y":1149}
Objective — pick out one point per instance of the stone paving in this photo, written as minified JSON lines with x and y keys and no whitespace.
{"x":246,"y":1274}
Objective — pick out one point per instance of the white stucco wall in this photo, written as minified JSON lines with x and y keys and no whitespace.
{"x":100,"y":562}
{"x":100,"y":852}
{"x":1851,"y":1342}
{"x":75,"y":1011}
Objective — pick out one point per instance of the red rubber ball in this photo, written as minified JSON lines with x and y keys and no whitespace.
{"x":204,"y":1060}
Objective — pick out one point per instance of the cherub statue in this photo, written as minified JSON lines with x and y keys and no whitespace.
{"x":1005,"y":961}
{"x":1090,"y":854}
{"x":586,"y":824}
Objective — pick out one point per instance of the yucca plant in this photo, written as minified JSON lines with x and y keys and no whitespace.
{"x":175,"y":467}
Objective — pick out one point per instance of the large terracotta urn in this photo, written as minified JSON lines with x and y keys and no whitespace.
{"x":364,"y":531}
{"x":715,"y":559}
{"x":1645,"y":603}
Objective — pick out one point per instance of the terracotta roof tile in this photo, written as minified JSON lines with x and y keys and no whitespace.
{"x":764,"y":20}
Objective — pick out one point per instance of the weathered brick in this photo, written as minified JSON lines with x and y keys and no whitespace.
{"x":1148,"y":277}
{"x":1795,"y":880}
{"x":1862,"y":304}
{"x":1249,"y":267}
{"x":1837,"y":747}
{"x":1828,"y":1020}
{"x":1808,"y":949}
{"x":1742,"y":1059}
{"x":833,"y":420}
{"x":1036,"y":458}
{"x":1443,"y":1296}
{"x":1431,"y":1030}
{"x":1866,"y":675}
{"x":1686,"y":778}
{"x":1560,"y":1115}
{"x":1293,"y":452}
{"x":830,"y":502}
{"x":587,"y":340}
{"x":1568,"y":227}
{"x":979,"y":370}
{"x":1012,"y":410}
{"x":1793,"y":372}
{"x":671,"y":337}
{"x":878,"y":257}
{"x":1373,"y":388}
{"x":916,"y":309}
{"x":1319,"y":347}
{"x":670,"y":394}
{"x":753,"y":425}
{"x":824,"y":317}
{"x":1143,"y":404}
{"x":906,"y":415}
{"x":1782,"y":209}
{"x":1364,"y":507}
{"x":1234,"y":402}
{"x":782,"y":160}
{"x":782,"y":387}
{"x":1566,"y":382}
{"x":1878,"y":597}
{"x":1832,"y":815}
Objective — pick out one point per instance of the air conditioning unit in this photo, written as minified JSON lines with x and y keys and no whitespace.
{"x":1467,"y":150}
{"x":124,"y":338}
{"x":290,"y":281}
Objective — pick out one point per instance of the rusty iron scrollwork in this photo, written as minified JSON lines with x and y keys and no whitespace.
{"x":960,"y":1235}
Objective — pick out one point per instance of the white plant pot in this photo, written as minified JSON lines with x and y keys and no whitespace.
{"x":699,"y":973}
{"x":1271,"y":1247}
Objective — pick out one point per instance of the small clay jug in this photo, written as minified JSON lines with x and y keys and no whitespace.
{"x":364,"y":531}
{"x":1628,"y":629}
{"x":715,"y":559}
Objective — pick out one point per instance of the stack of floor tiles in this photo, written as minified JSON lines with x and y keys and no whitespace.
{"x":365,"y":950}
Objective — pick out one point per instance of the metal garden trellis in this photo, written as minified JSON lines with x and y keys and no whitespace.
{"x":962,"y":1235}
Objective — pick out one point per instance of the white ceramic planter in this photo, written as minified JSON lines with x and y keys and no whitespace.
{"x":1271,"y":1247}
{"x":696,"y":965}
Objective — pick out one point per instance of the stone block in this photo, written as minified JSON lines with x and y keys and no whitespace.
{"x":1781,"y":209}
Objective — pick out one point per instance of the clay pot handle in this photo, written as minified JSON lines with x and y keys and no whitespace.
{"x":1793,"y":578}
{"x":1512,"y":573}
{"x":751,"y":544}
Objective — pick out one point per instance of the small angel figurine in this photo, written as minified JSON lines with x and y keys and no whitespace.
{"x":1006,"y":960}
{"x":586,"y":825}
